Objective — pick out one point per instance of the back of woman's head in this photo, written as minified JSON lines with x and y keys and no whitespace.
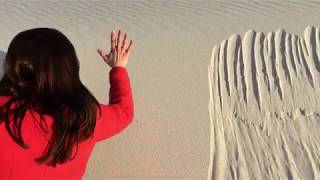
{"x":41,"y":73}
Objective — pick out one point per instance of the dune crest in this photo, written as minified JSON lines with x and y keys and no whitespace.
{"x":264,"y":106}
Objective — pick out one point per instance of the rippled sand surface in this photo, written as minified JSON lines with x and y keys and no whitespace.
{"x":170,"y":137}
{"x":265,"y":106}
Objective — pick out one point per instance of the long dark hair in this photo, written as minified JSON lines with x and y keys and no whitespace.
{"x":41,"y":73}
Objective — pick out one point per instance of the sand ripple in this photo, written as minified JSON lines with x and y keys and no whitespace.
{"x":264,"y":106}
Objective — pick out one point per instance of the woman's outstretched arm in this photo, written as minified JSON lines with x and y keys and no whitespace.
{"x":118,"y":114}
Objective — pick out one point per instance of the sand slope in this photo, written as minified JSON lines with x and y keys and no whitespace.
{"x":264,"y":106}
{"x":170,"y":135}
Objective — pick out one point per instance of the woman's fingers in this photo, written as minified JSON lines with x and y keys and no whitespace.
{"x":128,"y":50}
{"x":118,"y":54}
{"x":124,"y":41}
{"x":118,"y":40}
{"x":102,"y":54}
{"x":113,"y":41}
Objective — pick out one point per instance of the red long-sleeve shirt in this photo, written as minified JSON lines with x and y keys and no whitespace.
{"x":17,"y":163}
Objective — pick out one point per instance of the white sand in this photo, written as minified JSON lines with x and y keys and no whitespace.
{"x":170,"y":136}
{"x":264,"y":106}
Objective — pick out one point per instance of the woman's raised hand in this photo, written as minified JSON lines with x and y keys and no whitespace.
{"x":118,"y":54}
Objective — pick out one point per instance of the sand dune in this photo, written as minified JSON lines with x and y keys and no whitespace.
{"x":264,"y":106}
{"x":170,"y":136}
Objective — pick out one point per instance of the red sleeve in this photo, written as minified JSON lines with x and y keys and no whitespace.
{"x":118,"y":114}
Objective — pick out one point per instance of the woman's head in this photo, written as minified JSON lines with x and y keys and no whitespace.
{"x":42,"y":61}
{"x":41,"y":73}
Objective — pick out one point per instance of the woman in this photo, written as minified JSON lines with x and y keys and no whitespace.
{"x":49,"y":121}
